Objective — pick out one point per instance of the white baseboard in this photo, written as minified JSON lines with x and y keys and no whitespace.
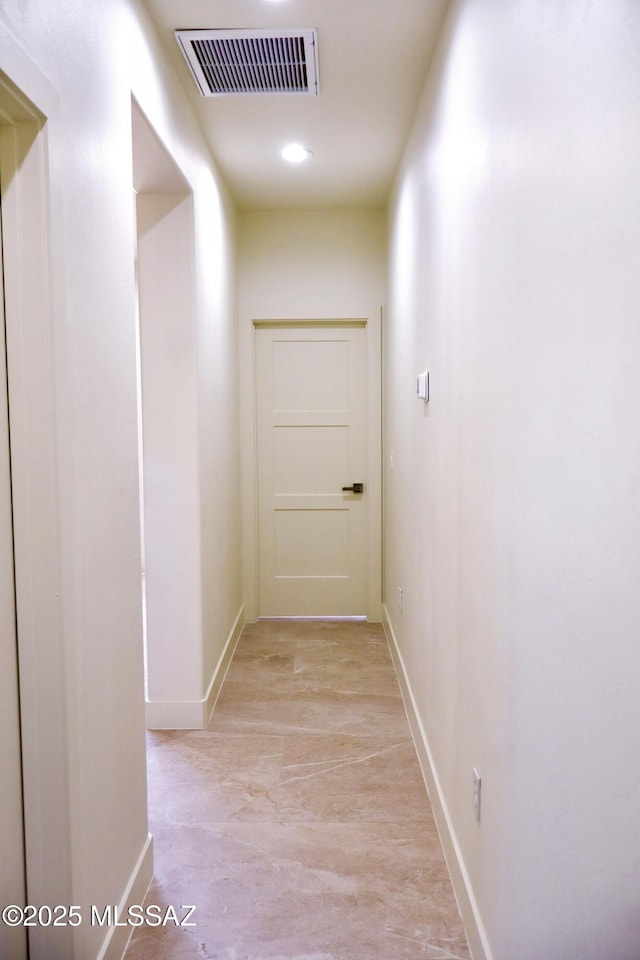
{"x":175,"y":714}
{"x":195,"y":714}
{"x":474,"y":929}
{"x":117,"y":939}
{"x":220,"y":671}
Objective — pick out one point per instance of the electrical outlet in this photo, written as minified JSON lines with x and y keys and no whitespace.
{"x":477,"y":786}
{"x":400,"y":598}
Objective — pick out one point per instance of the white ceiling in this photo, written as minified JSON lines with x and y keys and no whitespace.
{"x":373,"y":60}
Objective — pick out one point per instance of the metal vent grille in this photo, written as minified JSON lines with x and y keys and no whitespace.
{"x":251,"y":61}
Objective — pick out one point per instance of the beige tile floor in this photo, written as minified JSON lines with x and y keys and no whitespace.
{"x":297,"y":823}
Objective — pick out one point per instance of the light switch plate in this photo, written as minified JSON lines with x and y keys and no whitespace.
{"x":477,"y":793}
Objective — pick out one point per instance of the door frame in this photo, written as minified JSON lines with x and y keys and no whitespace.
{"x":372,"y":329}
{"x":13,"y":940}
{"x":27,"y":104}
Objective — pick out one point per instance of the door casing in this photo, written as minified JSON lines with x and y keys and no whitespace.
{"x":27,"y":104}
{"x":13,"y":940}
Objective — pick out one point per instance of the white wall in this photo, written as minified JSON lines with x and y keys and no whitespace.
{"x":308,"y":265}
{"x":513,"y":511}
{"x":91,"y":61}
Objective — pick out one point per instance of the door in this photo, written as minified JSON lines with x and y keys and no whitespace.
{"x":311,"y":419}
{"x":12,"y":879}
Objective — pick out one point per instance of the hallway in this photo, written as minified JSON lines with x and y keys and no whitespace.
{"x":297,"y":823}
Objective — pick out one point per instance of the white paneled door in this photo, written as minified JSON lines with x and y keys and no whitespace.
{"x":311,"y":421}
{"x":12,"y":883}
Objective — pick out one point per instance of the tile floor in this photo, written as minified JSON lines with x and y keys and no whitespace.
{"x":298,"y":822}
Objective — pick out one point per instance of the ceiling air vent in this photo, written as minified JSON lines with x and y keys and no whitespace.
{"x":251,"y":61}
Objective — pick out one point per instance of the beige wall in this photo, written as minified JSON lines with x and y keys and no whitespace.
{"x":302,"y":265}
{"x":513,"y":510}
{"x":81,"y":66}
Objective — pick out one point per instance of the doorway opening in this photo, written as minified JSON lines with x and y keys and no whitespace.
{"x":167,"y":427}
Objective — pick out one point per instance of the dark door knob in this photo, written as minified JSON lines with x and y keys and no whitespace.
{"x":354,"y":488}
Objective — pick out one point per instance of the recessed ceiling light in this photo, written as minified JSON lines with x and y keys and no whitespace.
{"x":295,"y":153}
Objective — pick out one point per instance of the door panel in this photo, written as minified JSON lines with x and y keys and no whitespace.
{"x":310,"y":460}
{"x":311,"y":442}
{"x":12,"y":883}
{"x":326,"y":530}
